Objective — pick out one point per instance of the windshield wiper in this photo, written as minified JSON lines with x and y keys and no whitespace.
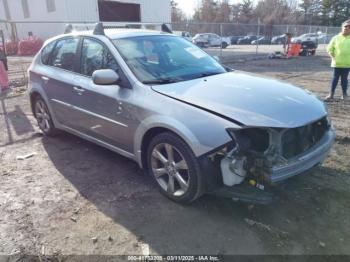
{"x":161,"y":81}
{"x":209,"y":74}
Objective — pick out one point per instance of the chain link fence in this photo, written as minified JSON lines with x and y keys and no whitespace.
{"x":231,"y":42}
{"x":256,"y":40}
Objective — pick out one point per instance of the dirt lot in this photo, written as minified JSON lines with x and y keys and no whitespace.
{"x":73,"y":197}
{"x":234,"y":52}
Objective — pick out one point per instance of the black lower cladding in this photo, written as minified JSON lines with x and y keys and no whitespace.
{"x":246,"y":193}
{"x":298,"y":140}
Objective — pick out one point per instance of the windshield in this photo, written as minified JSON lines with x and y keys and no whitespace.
{"x":166,"y":59}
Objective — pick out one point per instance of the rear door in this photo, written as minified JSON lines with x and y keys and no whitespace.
{"x":60,"y":78}
{"x":39,"y":74}
{"x":102,"y":107}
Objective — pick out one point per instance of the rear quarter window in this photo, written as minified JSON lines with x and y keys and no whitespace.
{"x":46,"y":53}
{"x":64,"y":54}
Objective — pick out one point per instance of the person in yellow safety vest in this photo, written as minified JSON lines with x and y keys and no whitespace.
{"x":339,"y":50}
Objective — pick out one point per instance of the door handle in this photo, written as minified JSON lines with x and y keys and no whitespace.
{"x":45,"y":78}
{"x":79,"y":90}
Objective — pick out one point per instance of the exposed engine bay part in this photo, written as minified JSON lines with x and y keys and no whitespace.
{"x":253,"y":148}
{"x":255,"y":153}
{"x":233,"y":170}
{"x":246,"y":168}
{"x":251,"y":139}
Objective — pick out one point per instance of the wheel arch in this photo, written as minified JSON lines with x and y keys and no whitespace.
{"x":33,"y":96}
{"x":152,"y":127}
{"x":147,"y":138}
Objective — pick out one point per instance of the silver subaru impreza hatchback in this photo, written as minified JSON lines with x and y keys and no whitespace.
{"x":196,"y":126}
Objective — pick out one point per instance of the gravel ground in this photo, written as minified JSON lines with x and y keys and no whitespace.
{"x":73,"y":197}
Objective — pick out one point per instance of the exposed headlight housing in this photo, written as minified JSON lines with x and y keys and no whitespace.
{"x":250,"y":139}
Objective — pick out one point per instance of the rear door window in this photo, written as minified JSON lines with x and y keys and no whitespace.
{"x":45,"y":54}
{"x":96,"y":56}
{"x":65,"y":53}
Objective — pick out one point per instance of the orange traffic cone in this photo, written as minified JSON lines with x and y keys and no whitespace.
{"x":293,"y":50}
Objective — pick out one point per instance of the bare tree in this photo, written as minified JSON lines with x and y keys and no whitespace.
{"x":311,"y":11}
{"x":273,"y":12}
{"x":270,"y":12}
{"x":209,"y":10}
{"x":177,"y":15}
{"x":246,"y":12}
{"x":223,"y":12}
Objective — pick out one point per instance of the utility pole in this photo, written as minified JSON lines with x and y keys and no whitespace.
{"x":257,"y":40}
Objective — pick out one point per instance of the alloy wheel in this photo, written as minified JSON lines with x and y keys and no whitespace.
{"x":170,"y":169}
{"x":42,"y":116}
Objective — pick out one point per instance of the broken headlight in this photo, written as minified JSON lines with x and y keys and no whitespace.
{"x":250,"y":139}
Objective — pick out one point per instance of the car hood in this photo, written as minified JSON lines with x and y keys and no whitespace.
{"x":249,"y":99}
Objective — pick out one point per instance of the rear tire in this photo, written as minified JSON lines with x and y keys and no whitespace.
{"x":175,"y":168}
{"x":43,"y":117}
{"x":201,"y":44}
{"x":224,"y":45}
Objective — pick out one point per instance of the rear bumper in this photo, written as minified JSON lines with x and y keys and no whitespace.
{"x":306,"y":161}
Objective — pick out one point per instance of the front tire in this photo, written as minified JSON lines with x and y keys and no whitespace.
{"x":44,"y":118}
{"x":224,"y":45}
{"x":174,"y":167}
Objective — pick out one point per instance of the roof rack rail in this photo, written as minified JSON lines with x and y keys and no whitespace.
{"x":69,"y":29}
{"x":99,"y":28}
{"x":166,"y":29}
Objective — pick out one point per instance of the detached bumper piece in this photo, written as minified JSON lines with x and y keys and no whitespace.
{"x":246,"y":193}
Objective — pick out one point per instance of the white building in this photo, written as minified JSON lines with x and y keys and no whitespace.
{"x":36,"y":16}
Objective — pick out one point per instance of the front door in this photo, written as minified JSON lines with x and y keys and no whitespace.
{"x":102,"y":107}
{"x":215,"y":40}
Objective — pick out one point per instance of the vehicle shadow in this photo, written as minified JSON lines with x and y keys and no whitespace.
{"x":119,"y":189}
{"x":123,"y":192}
{"x":17,"y":126}
{"x":20,"y":121}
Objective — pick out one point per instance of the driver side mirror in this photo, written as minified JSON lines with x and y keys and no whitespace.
{"x":105,"y":77}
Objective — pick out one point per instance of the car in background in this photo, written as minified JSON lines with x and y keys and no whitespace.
{"x":211,"y":40}
{"x":314,"y":37}
{"x":325,"y":38}
{"x":235,"y":38}
{"x":183,"y":34}
{"x":308,"y":48}
{"x":247,"y":40}
{"x":278,"y":40}
{"x":264,"y":40}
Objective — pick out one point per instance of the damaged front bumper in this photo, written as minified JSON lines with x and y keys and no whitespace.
{"x":247,"y":177}
{"x":306,"y":161}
